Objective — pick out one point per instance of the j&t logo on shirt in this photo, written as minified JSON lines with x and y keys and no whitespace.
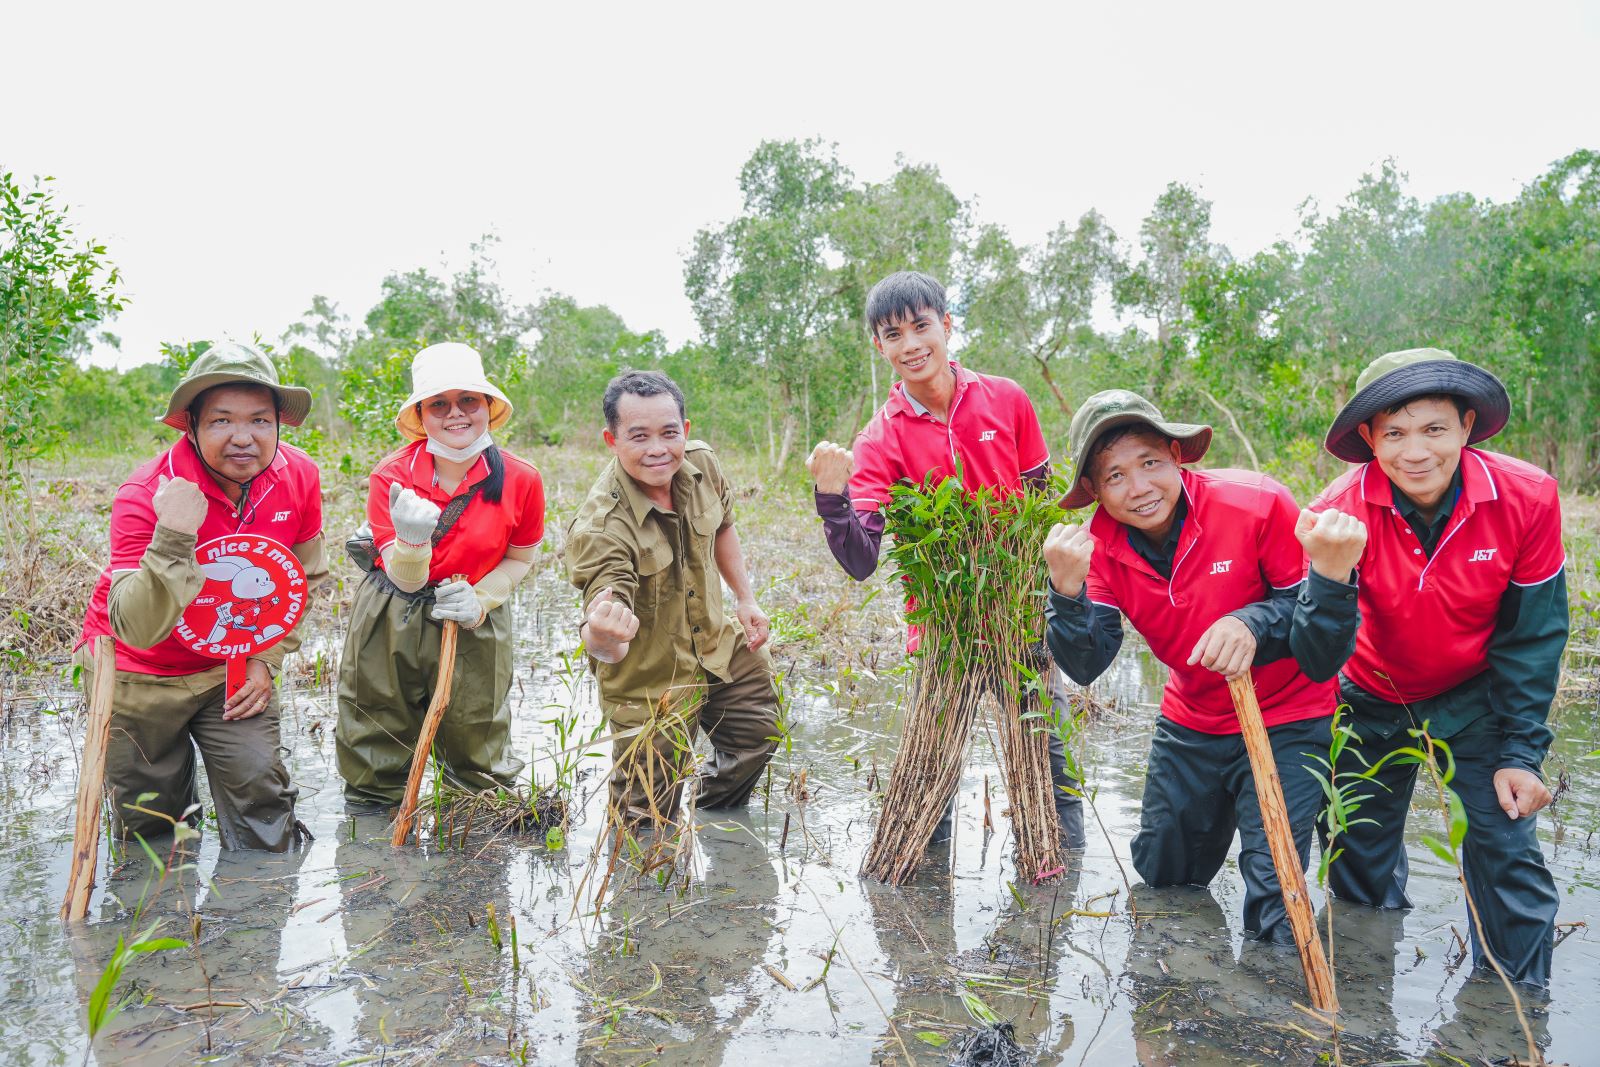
{"x":280,"y":516}
{"x":1221,"y":566}
{"x":987,"y":435}
{"x":1482,"y":555}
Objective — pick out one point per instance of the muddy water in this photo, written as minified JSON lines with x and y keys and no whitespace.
{"x":770,"y":951}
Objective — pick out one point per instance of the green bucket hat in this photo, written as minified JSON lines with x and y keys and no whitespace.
{"x":232,"y":363}
{"x":1395,"y":377}
{"x":1110,"y":409}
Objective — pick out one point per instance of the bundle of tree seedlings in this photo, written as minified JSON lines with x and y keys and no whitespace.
{"x":974,"y":573}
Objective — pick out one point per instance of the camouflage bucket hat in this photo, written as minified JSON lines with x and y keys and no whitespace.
{"x":232,"y":363}
{"x":1110,"y":409}
{"x":1395,"y":377}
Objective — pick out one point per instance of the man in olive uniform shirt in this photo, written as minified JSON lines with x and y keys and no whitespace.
{"x":646,"y":550}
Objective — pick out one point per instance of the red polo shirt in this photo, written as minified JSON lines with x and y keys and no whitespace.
{"x":993,"y":433}
{"x":285,"y":504}
{"x":1426,"y":620}
{"x":478,"y":541}
{"x":1236,"y":546}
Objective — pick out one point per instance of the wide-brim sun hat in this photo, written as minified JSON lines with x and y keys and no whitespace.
{"x":234,"y":363}
{"x":1109,"y":409}
{"x":440,"y":368}
{"x":1395,"y":377}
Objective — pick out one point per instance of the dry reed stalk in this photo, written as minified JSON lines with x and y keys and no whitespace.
{"x":1025,"y":767}
{"x":407,"y":814}
{"x":91,"y":783}
{"x":926,"y":770}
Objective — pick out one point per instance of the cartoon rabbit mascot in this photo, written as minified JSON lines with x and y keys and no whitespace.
{"x":246,"y":582}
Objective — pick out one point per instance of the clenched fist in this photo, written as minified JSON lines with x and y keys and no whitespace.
{"x":830,"y":466}
{"x":413,"y":518}
{"x":609,"y":626}
{"x":180,"y":505}
{"x":1067,"y":552}
{"x":1333,"y":542}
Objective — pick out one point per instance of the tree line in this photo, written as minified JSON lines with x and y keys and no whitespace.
{"x":1266,"y":347}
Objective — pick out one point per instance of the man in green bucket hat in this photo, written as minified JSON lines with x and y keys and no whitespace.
{"x":1209,"y":566}
{"x":1464,"y":617}
{"x":228,"y":474}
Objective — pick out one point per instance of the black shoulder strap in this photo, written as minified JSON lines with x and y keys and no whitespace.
{"x":452,"y":512}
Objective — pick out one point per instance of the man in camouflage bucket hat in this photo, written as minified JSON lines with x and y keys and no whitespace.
{"x":228,"y":474}
{"x":1464,"y":618}
{"x":1208,"y":566}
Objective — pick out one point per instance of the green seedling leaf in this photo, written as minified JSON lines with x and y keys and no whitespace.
{"x":1458,"y":819}
{"x":980,"y":1012}
{"x":1440,"y":849}
{"x":928,"y":1037}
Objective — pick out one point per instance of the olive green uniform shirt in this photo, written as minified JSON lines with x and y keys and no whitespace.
{"x":662,"y":565}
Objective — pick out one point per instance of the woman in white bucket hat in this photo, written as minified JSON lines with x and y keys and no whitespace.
{"x":449,"y":502}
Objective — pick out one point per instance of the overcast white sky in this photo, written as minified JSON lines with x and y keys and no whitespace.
{"x":237,"y":160}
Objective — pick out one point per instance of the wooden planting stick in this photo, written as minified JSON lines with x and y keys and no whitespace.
{"x":1275,"y":819}
{"x":91,"y":783}
{"x":430,"y":727}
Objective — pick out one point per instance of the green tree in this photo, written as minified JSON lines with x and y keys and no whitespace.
{"x":767,"y":289}
{"x":54,"y":288}
{"x":418,"y":309}
{"x":1549,"y":294}
{"x":577,"y":351}
{"x":1038,"y":302}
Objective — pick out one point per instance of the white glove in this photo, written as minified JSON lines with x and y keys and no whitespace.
{"x":456,"y":602}
{"x":413,"y":518}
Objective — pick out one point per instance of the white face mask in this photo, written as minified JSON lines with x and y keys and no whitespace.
{"x":460,"y":455}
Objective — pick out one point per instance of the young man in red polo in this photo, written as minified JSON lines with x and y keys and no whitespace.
{"x":1208,"y":567}
{"x":228,"y":474}
{"x":938,"y":415}
{"x":1464,"y":618}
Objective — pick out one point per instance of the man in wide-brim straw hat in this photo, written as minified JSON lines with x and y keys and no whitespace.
{"x":1209,"y":566}
{"x":1463,"y":619}
{"x":229,"y":473}
{"x":450,"y":501}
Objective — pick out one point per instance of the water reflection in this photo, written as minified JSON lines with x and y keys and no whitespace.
{"x":359,"y":950}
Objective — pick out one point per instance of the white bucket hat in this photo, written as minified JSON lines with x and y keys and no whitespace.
{"x":440,"y":368}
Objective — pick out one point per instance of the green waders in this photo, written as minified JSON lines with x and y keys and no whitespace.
{"x":386,"y":680}
{"x":158,"y":721}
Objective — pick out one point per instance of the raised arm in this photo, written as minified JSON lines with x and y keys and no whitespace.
{"x":854,"y":537}
{"x":154,"y":576}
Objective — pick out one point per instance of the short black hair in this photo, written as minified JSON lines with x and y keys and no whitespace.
{"x":638,"y":383}
{"x":1462,"y":407}
{"x":901,"y":295}
{"x":1115,"y":434}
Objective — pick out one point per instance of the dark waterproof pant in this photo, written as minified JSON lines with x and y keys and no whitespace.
{"x":157,"y":723}
{"x":738,"y":714}
{"x":386,"y":681}
{"x":1504,"y":865}
{"x":1069,"y":805}
{"x":1199,"y":789}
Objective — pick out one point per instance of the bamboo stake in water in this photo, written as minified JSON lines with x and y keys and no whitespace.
{"x":430,"y":727}
{"x":1280,"y":839}
{"x":91,"y":783}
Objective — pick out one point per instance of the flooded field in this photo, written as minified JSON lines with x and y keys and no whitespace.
{"x":769,"y":948}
